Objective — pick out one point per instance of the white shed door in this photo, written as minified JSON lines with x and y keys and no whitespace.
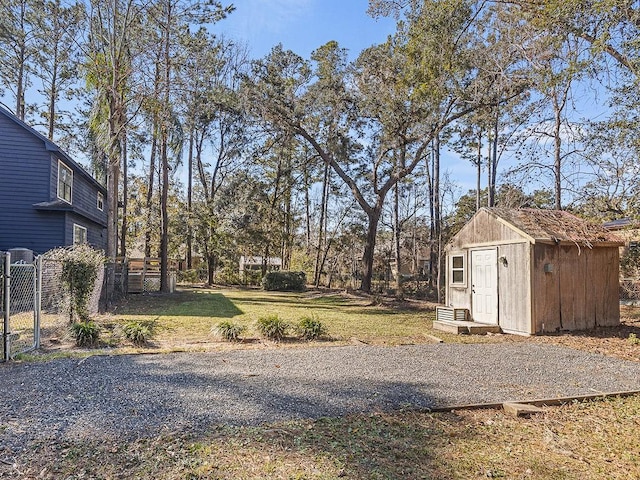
{"x":484,"y":286}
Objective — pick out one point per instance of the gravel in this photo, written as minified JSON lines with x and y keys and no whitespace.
{"x":138,"y":396}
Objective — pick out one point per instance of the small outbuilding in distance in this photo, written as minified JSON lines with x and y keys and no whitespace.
{"x":530,"y":271}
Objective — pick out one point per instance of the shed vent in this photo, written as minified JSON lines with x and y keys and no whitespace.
{"x":449,"y":314}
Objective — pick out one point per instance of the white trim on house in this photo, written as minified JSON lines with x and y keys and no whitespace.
{"x":100,"y":201}
{"x":79,"y":234}
{"x":60,"y":181}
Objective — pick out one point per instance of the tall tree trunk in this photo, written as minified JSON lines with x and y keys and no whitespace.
{"x":164,"y":215}
{"x":322,"y":226}
{"x":494,"y":156}
{"x":396,"y":241}
{"x":211,"y":267}
{"x":155,"y":134}
{"x":437,"y":212}
{"x":125,"y":197}
{"x":164,"y":236}
{"x":150,"y":185}
{"x":307,"y":210}
{"x":189,"y":203}
{"x":478,"y":169}
{"x":557,"y":152}
{"x":369,"y":248}
{"x":52,"y":100}
{"x":20,"y":87}
{"x":287,"y":241}
{"x":428,"y":173}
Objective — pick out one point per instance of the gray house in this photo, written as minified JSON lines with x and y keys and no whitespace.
{"x":47,"y":200}
{"x":529,"y":271}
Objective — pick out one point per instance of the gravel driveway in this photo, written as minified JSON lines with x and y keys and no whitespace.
{"x":144,"y":395}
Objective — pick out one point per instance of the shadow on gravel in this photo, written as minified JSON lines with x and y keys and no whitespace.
{"x":132,"y":397}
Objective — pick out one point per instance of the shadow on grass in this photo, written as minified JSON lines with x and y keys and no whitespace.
{"x":181,"y":304}
{"x":275,"y":299}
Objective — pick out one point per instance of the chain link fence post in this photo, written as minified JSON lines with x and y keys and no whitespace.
{"x":6,"y":268}
{"x":38,"y":301}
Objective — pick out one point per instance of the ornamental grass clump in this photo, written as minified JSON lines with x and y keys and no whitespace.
{"x":230,"y":331}
{"x":86,"y":333}
{"x":272,"y":327}
{"x":138,"y":333}
{"x":310,"y":328}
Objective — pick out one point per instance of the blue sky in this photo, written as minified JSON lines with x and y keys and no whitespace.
{"x":304,"y":25}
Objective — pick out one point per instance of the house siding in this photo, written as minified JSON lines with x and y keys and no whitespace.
{"x":96,"y":234}
{"x":23,"y":182}
{"x":29,"y":176}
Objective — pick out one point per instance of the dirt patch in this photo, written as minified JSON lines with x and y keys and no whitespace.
{"x":622,"y":341}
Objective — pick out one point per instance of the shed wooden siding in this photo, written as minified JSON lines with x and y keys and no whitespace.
{"x":514,"y":288}
{"x":484,"y":229}
{"x":581,"y":292}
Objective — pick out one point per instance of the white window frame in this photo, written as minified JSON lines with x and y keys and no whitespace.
{"x":100,"y":201}
{"x":77,"y":228}
{"x":453,"y":269}
{"x":61,"y":196}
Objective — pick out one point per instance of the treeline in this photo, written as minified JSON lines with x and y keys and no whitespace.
{"x":337,"y":166}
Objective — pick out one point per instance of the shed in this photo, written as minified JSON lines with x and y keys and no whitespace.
{"x":533,"y":271}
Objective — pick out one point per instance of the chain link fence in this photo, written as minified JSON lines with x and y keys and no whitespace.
{"x":630,"y":290}
{"x":55,"y":316}
{"x":34,"y":304}
{"x":20,"y":300}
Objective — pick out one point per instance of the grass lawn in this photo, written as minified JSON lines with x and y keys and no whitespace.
{"x":189,"y":317}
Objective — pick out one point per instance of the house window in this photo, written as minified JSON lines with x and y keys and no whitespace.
{"x":100,"y":201}
{"x":79,"y":234}
{"x":457,"y":270}
{"x":65,"y":182}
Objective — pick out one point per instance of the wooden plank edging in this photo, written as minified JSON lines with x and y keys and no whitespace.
{"x":538,"y":402}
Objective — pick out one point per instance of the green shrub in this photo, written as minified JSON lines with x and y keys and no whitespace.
{"x":139,"y":333}
{"x":310,"y":328}
{"x":85,"y":333}
{"x":230,"y":331}
{"x":80,"y":266}
{"x":633,"y":339}
{"x":272,"y":327}
{"x":285,"y":281}
{"x":251,"y":277}
{"x":188,"y":276}
{"x":228,"y":275}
